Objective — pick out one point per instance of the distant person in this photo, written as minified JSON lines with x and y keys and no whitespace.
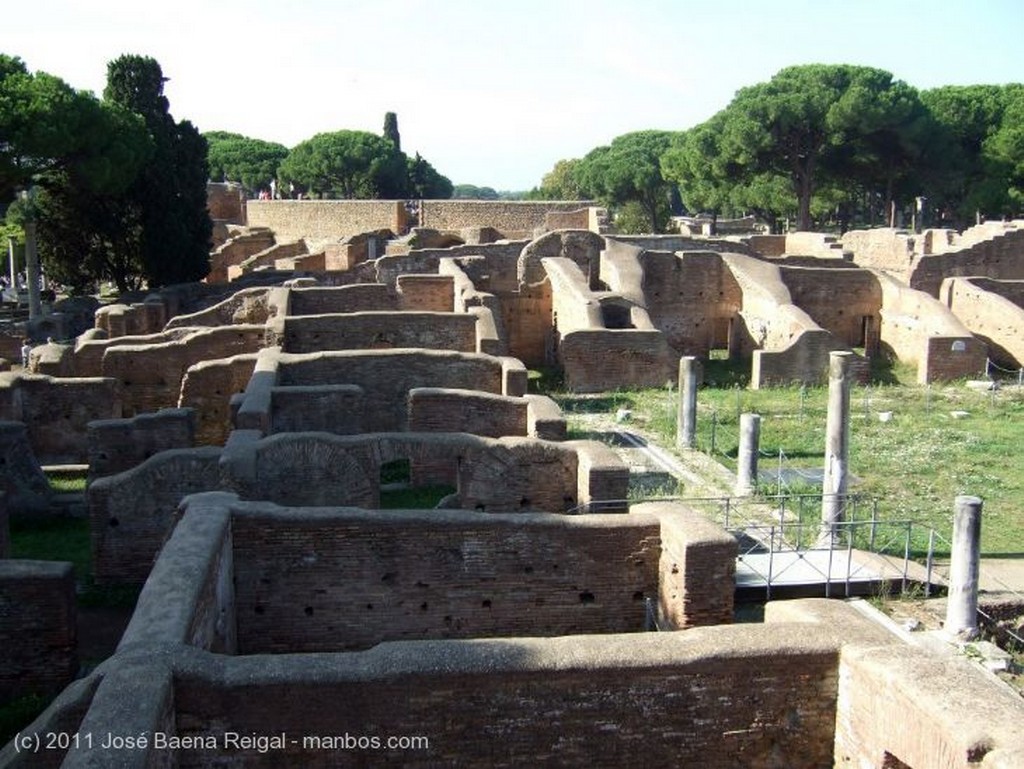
{"x":26,"y":351}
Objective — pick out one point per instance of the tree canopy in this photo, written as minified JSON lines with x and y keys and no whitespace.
{"x":346,"y":164}
{"x":253,"y":163}
{"x":629,"y":170}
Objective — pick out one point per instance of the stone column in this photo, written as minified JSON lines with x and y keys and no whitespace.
{"x":35,"y":308}
{"x":962,"y":601}
{"x":746,"y":460}
{"x":686,"y":421}
{"x":837,"y":441}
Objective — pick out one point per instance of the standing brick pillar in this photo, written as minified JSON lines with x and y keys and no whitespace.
{"x":686,"y":421}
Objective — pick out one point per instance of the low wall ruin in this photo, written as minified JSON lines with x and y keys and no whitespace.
{"x":116,"y":445}
{"x":992,"y":310}
{"x":56,"y":412}
{"x":38,"y":629}
{"x":375,"y":330}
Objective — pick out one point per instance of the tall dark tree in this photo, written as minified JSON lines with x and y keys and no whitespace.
{"x":425,"y":182}
{"x":391,"y":129}
{"x":170,"y":193}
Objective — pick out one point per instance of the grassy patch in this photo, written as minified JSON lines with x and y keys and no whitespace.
{"x":914,"y":448}
{"x":421,"y":498}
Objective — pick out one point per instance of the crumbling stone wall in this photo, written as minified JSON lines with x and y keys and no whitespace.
{"x":918,"y":328}
{"x":992,"y":310}
{"x":24,"y":487}
{"x":376,"y":330}
{"x":691,"y":297}
{"x":246,"y":306}
{"x":57,"y":411}
{"x":90,"y":348}
{"x":323,"y":221}
{"x":150,"y":375}
{"x":923,"y":262}
{"x":318,"y":300}
{"x":208,"y":388}
{"x":116,"y":445}
{"x":385,"y":376}
{"x":38,"y":629}
{"x":435,"y":574}
{"x":433,"y":409}
{"x":236,"y":249}
{"x":697,"y":579}
{"x":426,"y":293}
{"x":226,"y":202}
{"x":131,"y":513}
{"x":845,"y":302}
{"x":512,"y":218}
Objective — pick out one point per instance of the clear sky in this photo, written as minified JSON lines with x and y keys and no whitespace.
{"x":494,"y":93}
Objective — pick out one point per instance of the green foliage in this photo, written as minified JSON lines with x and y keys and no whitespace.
{"x":425,"y":182}
{"x":560,"y":183}
{"x":629,"y":170}
{"x":168,"y":198}
{"x":391,"y":130}
{"x":251,"y":162}
{"x":346,"y":164}
{"x":472,"y":192}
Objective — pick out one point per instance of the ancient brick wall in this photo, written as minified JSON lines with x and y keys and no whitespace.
{"x":682,"y":243}
{"x":24,"y":486}
{"x":131,"y":513}
{"x":426,"y":293}
{"x":844,"y":302}
{"x":436,"y":574}
{"x":594,"y":360}
{"x":321,"y":221}
{"x":816,"y":244}
{"x":885,"y":249}
{"x":434,"y":409}
{"x":358,"y":298}
{"x":674,"y":700}
{"x":697,"y":573}
{"x":208,"y":388}
{"x":89,"y":350}
{"x":387,"y":376}
{"x":247,"y":306}
{"x":896,"y":709}
{"x":493,"y":475}
{"x":38,"y":629}
{"x":1000,"y":257}
{"x":148,"y":317}
{"x":226,"y":202}
{"x":116,"y":445}
{"x":918,"y":328}
{"x":150,"y":375}
{"x":497,"y":260}
{"x":804,"y":361}
{"x":692,"y":298}
{"x":380,"y":330}
{"x":526,"y":317}
{"x":334,"y":409}
{"x":511,"y":218}
{"x":991,"y":309}
{"x":56,"y":412}
{"x":235,"y":251}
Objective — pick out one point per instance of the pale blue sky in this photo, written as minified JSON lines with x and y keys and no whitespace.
{"x":494,"y":93}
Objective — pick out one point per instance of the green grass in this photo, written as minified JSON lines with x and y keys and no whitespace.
{"x":915,"y":464}
{"x":19,"y":713}
{"x":420,"y":498}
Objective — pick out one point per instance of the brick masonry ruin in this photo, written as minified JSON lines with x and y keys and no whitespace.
{"x":236,"y":435}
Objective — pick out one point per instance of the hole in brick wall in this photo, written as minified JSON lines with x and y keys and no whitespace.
{"x":389,"y":578}
{"x":103,"y":455}
{"x":114,"y":523}
{"x":308,"y":611}
{"x":487,"y":603}
{"x":422,"y":584}
{"x":554,"y":567}
{"x":423,"y":606}
{"x":638,"y":595}
{"x":524,"y":502}
{"x":568,"y":501}
{"x":528,"y":569}
{"x":258,"y":609}
{"x":480,"y":508}
{"x":264,"y":580}
{"x":369,"y":607}
{"x":586,"y":597}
